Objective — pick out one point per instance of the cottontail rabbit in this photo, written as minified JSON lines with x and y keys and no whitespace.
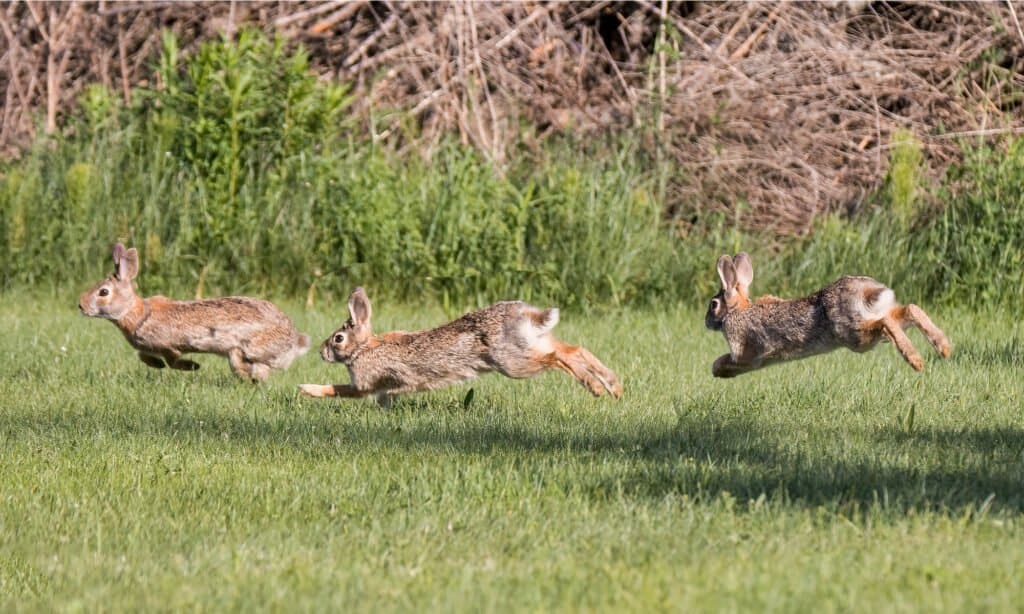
{"x":852,"y":312}
{"x":511,"y":337}
{"x":253,"y":334}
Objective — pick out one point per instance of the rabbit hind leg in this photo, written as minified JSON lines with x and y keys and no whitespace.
{"x":175,"y":361}
{"x":606,"y":376}
{"x":892,"y":328}
{"x":573,"y":360}
{"x":726,"y":366}
{"x":915,"y":316}
{"x":259,"y":372}
{"x":150,"y":360}
{"x":242,"y":367}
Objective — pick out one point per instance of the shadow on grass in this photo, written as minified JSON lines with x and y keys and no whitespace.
{"x":1008,"y":353}
{"x":935,"y":470}
{"x":705,"y":454}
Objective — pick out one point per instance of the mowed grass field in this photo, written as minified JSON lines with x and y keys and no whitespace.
{"x":844,"y":482}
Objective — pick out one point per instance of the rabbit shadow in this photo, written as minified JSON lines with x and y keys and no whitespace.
{"x":1008,"y":353}
{"x":749,"y":466}
{"x":705,"y":454}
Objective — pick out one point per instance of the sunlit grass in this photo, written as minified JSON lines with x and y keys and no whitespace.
{"x":842,"y":482}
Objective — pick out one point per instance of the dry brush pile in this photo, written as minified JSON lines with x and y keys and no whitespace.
{"x":788,"y":107}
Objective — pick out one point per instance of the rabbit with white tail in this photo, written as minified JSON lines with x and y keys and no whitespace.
{"x":511,"y":337}
{"x":253,"y":334}
{"x":852,"y":312}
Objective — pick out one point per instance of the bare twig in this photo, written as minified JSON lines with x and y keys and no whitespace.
{"x":290,"y":18}
{"x":122,"y":54}
{"x":985,"y":132}
{"x":512,"y":34}
{"x":742,"y":21}
{"x":483,"y":78}
{"x":133,"y":7}
{"x":742,"y":51}
{"x":1016,"y":22}
{"x":370,"y":40}
{"x":341,"y":14}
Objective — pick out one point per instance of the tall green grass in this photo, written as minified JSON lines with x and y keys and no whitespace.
{"x":240,"y":172}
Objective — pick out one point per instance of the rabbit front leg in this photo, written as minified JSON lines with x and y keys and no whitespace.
{"x":331,"y":390}
{"x":152,"y":361}
{"x":578,"y":362}
{"x":894,"y":330}
{"x":175,"y":361}
{"x":242,"y":367}
{"x":260,"y":372}
{"x":915,"y":316}
{"x":726,"y":366}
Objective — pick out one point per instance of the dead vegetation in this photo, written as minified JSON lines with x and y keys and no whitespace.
{"x":788,"y":107}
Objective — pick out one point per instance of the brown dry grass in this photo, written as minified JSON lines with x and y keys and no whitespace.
{"x":788,"y":107}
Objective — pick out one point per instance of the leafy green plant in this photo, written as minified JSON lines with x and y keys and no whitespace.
{"x":903,"y":182}
{"x":239,"y":118}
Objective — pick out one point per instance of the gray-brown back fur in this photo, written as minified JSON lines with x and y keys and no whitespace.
{"x":852,"y":312}
{"x":512,"y":338}
{"x":256,"y":327}
{"x":253,"y":333}
{"x":489,"y":339}
{"x":826,"y":320}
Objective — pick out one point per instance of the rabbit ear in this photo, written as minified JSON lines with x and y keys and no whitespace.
{"x":117,"y":252}
{"x":127,"y":263}
{"x":726,"y":272}
{"x":744,"y":269}
{"x":359,"y":307}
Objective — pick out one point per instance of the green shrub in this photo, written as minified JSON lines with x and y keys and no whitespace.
{"x":975,"y":247}
{"x":238,"y":174}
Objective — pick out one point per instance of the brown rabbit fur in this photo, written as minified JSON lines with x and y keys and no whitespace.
{"x":852,"y":312}
{"x":512,"y":338}
{"x":253,"y":334}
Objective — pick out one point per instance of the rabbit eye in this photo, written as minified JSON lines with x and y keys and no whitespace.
{"x":715,"y":304}
{"x":104,"y":292}
{"x":339,"y":338}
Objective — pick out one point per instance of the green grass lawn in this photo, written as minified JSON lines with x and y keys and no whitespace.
{"x":844,"y":482}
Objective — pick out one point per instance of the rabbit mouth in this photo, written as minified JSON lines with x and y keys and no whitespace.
{"x":86,"y":310}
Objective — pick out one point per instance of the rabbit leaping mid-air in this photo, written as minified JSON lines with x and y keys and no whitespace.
{"x":852,"y":312}
{"x":253,"y":334}
{"x":511,"y":337}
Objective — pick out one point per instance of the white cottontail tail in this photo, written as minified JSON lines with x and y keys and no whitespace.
{"x":512,"y":338}
{"x":253,"y":334}
{"x":852,"y":312}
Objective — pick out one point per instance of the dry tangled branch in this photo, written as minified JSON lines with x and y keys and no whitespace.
{"x":788,"y":107}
